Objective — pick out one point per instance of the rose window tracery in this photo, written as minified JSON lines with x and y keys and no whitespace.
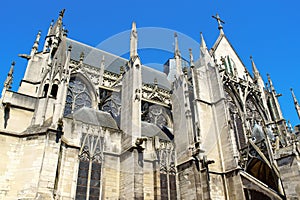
{"x":156,"y":114}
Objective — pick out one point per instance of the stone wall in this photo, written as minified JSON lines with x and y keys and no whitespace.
{"x":289,"y":167}
{"x":22,"y":160}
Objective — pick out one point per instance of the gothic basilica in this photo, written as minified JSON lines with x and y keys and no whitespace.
{"x":111,"y":128}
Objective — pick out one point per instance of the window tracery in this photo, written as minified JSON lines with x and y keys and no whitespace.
{"x":166,"y":157}
{"x":156,"y":114}
{"x":110,"y":102}
{"x":236,"y":122}
{"x":90,"y":168}
{"x":78,"y":96}
{"x":253,"y":116}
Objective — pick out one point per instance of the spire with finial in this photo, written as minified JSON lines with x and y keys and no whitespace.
{"x":81,"y":57}
{"x":204,"y":54}
{"x":133,"y":41}
{"x":9,"y":78}
{"x":203,"y":47}
{"x":102,"y":66}
{"x":270,"y":83}
{"x":57,"y":28}
{"x":46,"y":44}
{"x":254,"y":69}
{"x":51,"y":26}
{"x":297,"y":106}
{"x":177,"y":57}
{"x":36,"y":43}
{"x":191,"y":58}
{"x":177,"y":52}
{"x":220,"y":22}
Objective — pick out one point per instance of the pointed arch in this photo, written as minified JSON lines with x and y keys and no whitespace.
{"x":80,"y":93}
{"x":259,"y":104}
{"x":232,"y":91}
{"x":235,"y":108}
{"x":254,"y":111}
{"x":90,"y":166}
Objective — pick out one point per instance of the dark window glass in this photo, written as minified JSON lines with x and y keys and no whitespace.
{"x":54,"y":90}
{"x":172,"y":182}
{"x":164,"y":186}
{"x":86,"y":167}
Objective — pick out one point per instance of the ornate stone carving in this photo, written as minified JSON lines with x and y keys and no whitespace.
{"x":92,"y":147}
{"x":166,"y":158}
{"x":155,"y":94}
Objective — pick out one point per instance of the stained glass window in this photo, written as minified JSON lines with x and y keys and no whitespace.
{"x":89,"y":171}
{"x":78,"y":96}
{"x":167,"y":175}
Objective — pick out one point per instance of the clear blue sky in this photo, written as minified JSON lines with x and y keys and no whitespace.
{"x":268,"y":30}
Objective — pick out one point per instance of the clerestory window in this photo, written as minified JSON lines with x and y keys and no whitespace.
{"x":78,"y":96}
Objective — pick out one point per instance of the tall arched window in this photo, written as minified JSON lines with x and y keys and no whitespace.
{"x":45,"y":90}
{"x":167,"y":173}
{"x":236,"y":122}
{"x":90,"y":168}
{"x":78,"y":96}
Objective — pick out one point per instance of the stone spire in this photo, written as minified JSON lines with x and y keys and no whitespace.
{"x":58,"y":26}
{"x":204,"y":54}
{"x":102,"y":66}
{"x":254,"y":69}
{"x":133,"y":41}
{"x":276,"y":107}
{"x":36,"y":44}
{"x":46,"y":44}
{"x":177,"y":56}
{"x":203,"y":47}
{"x":191,"y":58}
{"x":220,"y":22}
{"x":297,"y":106}
{"x":81,"y":58}
{"x":177,"y":52}
{"x":9,"y":78}
{"x":55,"y":34}
{"x":271,"y":84}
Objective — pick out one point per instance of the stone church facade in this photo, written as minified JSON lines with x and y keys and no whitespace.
{"x":103,"y":127}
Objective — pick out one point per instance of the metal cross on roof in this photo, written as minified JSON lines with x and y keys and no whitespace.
{"x":220,"y":21}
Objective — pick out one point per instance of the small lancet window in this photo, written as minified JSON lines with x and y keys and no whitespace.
{"x":54,"y":90}
{"x":45,"y":90}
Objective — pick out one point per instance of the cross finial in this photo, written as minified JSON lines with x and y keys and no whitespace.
{"x":220,"y":21}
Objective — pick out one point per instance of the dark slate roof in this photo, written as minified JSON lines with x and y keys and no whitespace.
{"x":151,"y":130}
{"x":94,"y":117}
{"x":93,"y":57}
